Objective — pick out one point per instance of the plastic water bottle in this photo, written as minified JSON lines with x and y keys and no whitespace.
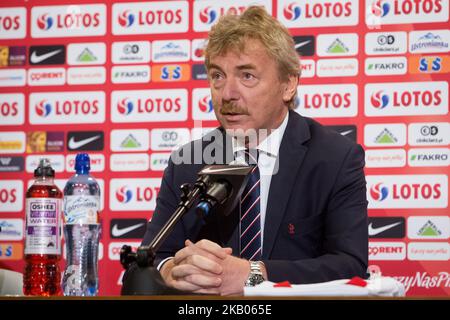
{"x":81,"y":231}
{"x":43,"y":234}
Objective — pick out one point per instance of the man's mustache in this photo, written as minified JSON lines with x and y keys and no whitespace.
{"x":232,"y":108}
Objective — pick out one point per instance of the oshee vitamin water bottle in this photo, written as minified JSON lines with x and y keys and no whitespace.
{"x":43,"y":234}
{"x":81,"y":231}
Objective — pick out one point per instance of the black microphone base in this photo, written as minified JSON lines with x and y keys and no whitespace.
{"x":146,"y":281}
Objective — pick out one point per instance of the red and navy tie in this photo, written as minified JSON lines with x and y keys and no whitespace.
{"x":250,"y":228}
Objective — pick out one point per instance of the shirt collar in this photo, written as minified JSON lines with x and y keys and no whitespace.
{"x":270,"y":145}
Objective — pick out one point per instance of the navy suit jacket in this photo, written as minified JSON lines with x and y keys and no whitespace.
{"x":316,"y":220}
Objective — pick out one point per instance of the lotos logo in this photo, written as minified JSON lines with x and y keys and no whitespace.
{"x":292,"y":11}
{"x":380,"y":9}
{"x":43,"y":108}
{"x":379,"y":192}
{"x":134,"y":194}
{"x":45,"y":22}
{"x":125,"y":106}
{"x":379,"y":99}
{"x":208,"y":15}
{"x":205,"y":104}
{"x":126,"y":19}
{"x":11,"y":196}
{"x":124,"y":194}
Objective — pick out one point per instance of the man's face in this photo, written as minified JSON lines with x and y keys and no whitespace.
{"x":246,"y":89}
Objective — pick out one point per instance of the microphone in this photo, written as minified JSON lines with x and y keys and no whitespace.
{"x":226,"y":184}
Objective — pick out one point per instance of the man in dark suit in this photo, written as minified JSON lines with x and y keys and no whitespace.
{"x":303,"y":215}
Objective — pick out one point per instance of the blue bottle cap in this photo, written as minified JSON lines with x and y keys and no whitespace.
{"x":82,"y":163}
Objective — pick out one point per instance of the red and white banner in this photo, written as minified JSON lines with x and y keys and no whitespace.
{"x":125,"y":82}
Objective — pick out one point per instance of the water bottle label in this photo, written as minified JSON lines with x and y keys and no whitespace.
{"x":43,"y":234}
{"x":81,"y":209}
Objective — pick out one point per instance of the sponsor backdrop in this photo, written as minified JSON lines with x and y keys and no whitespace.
{"x":125,"y":82}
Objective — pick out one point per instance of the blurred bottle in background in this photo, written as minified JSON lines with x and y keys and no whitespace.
{"x":42,"y":274}
{"x":81,"y":231}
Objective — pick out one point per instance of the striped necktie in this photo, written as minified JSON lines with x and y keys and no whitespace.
{"x":250,"y":226}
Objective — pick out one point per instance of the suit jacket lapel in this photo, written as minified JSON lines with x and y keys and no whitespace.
{"x":290,"y":156}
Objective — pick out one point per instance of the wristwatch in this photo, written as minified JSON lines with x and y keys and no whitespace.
{"x":255,"y":276}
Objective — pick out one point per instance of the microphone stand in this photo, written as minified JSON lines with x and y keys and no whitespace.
{"x":216,"y":185}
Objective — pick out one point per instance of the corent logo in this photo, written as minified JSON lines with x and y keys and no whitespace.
{"x":45,"y":22}
{"x":425,"y":280}
{"x":208,"y":15}
{"x":379,"y":192}
{"x":126,"y":19}
{"x":292,"y":11}
{"x":125,"y":106}
{"x":43,"y":108}
{"x":124,"y":194}
{"x":379,"y":99}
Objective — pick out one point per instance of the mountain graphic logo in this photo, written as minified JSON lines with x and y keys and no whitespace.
{"x":86,"y":56}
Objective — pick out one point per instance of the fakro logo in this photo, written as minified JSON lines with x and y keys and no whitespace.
{"x":69,"y":20}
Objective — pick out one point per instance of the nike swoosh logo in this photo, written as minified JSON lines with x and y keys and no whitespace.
{"x":344,"y":133}
{"x":302,"y":44}
{"x":116,"y":232}
{"x":78,"y":144}
{"x":374,"y":231}
{"x":36,"y":59}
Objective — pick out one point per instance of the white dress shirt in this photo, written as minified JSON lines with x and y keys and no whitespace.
{"x":268,"y":152}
